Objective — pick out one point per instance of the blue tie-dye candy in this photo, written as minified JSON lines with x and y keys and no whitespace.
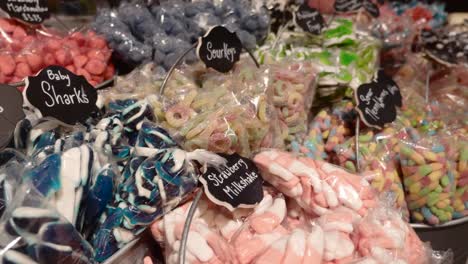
{"x":139,"y":200}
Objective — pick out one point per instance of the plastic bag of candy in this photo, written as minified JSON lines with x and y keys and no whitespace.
{"x":378,"y":159}
{"x":32,"y":231}
{"x":344,"y":56}
{"x":284,"y":228}
{"x":429,"y":177}
{"x":139,"y":84}
{"x":161,"y":32}
{"x":293,"y":88}
{"x":11,"y":171}
{"x":24,"y":51}
{"x":221,"y":113}
{"x":158,"y":177}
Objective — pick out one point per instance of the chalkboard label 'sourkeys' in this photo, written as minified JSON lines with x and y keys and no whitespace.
{"x":237,"y":185}
{"x":309,"y":19}
{"x":30,"y":11}
{"x":219,"y":49}
{"x":57,"y":92}
{"x":11,"y":112}
{"x":377,"y":101}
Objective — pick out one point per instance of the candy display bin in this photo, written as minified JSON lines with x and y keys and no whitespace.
{"x":447,"y":236}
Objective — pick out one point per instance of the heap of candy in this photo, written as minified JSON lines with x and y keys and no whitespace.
{"x":325,"y":216}
{"x":25,"y":51}
{"x":161,"y":33}
{"x":343,"y":56}
{"x":32,"y":231}
{"x":426,"y":15}
{"x":221,"y":113}
{"x":109,"y":180}
{"x":243,"y":111}
{"x":79,"y":194}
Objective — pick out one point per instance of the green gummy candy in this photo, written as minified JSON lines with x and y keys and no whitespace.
{"x":350,"y":166}
{"x":425,"y":191}
{"x":432,"y":198}
{"x":346,"y":58}
{"x":445,"y":181}
{"x":461,"y":191}
{"x":324,"y":57}
{"x":464,"y":154}
{"x":345,"y":76}
{"x":443,"y":217}
{"x":366,"y":56}
{"x":438,"y":189}
{"x":434,"y":210}
{"x":450,"y":209}
{"x":425,"y":170}
{"x":408,"y":182}
{"x":347,"y":42}
{"x":365,"y":138}
{"x":345,"y":28}
{"x":406,"y":151}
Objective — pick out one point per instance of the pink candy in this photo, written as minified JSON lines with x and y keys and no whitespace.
{"x":351,"y":225}
{"x":23,"y":53}
{"x":309,"y":183}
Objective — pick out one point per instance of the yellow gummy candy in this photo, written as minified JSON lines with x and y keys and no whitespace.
{"x":415,"y":188}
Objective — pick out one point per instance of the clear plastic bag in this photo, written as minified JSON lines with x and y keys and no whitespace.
{"x":221,"y":113}
{"x":343,"y":55}
{"x":328,"y":131}
{"x":11,"y":170}
{"x":283,"y":229}
{"x":25,"y":51}
{"x":139,"y":84}
{"x":293,"y":85}
{"x":429,"y":177}
{"x":158,"y":177}
{"x":32,"y":231}
{"x":310,"y":184}
{"x":161,"y":31}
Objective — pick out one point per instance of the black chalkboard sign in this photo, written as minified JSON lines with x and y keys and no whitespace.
{"x":309,"y":19}
{"x":345,"y":6}
{"x":447,"y":47}
{"x":238,"y":185}
{"x":31,"y":11}
{"x":11,"y":112}
{"x":390,"y":85}
{"x":377,"y":101}
{"x":219,"y":49}
{"x":59,"y":93}
{"x":371,"y":8}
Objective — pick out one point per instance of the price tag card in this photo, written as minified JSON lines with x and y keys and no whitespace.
{"x":237,"y":185}
{"x":309,"y":19}
{"x":219,"y":49}
{"x":29,"y":11}
{"x":59,"y":93}
{"x":11,"y":112}
{"x":377,"y":101}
